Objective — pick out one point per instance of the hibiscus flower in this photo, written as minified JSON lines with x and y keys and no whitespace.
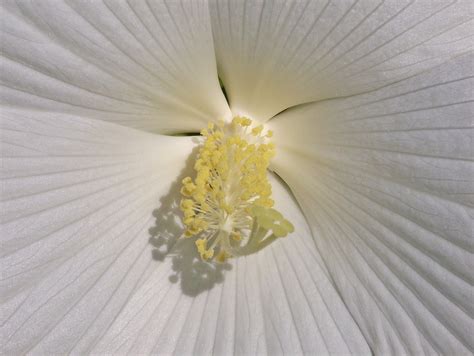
{"x":370,"y":103}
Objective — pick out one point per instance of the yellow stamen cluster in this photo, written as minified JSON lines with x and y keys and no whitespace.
{"x":230,"y":198}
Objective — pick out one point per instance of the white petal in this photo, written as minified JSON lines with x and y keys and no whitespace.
{"x":275,"y":54}
{"x":76,"y":204}
{"x":277,"y":301}
{"x":148,"y":65}
{"x":386,"y":182}
{"x":86,"y":267}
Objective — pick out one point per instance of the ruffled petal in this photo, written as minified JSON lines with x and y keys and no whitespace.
{"x":145,"y":64}
{"x":385,"y":180}
{"x":276,"y":54}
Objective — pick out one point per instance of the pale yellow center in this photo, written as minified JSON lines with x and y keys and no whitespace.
{"x":229,"y":204}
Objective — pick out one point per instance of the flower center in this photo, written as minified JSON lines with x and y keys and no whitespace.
{"x":229,"y":203}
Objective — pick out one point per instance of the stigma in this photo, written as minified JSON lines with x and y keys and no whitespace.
{"x":228,"y":206}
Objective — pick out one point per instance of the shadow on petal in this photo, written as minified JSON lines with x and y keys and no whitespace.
{"x":195,"y":275}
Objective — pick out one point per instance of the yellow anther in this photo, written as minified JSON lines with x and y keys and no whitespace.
{"x":189,"y":213}
{"x":222,"y":256}
{"x":201,"y":245}
{"x":188,"y":220}
{"x":187,"y":180}
{"x":246,"y":122}
{"x":186,"y":204}
{"x":236,"y":120}
{"x":188,"y":190}
{"x":257,"y":130}
{"x":208,"y":254}
{"x":230,"y":191}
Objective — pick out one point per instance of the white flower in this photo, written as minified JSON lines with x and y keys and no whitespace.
{"x":379,"y":159}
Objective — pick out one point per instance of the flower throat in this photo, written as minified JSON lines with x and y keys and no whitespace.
{"x":229,"y":203}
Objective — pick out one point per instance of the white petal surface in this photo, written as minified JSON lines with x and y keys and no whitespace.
{"x":386,"y":181}
{"x":145,"y":64}
{"x":277,"y":301}
{"x":86,"y":267}
{"x":77,"y":198}
{"x":275,"y":54}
